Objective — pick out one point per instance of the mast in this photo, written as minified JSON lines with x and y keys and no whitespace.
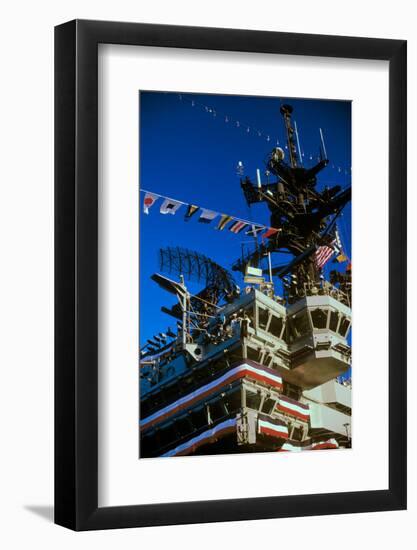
{"x":286,"y":111}
{"x":303,"y":215}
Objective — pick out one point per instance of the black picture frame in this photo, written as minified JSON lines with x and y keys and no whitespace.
{"x":76,"y":271}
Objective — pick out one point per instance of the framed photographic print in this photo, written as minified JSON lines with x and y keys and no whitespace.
{"x":230,"y":275}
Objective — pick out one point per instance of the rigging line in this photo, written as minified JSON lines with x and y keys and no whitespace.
{"x":248,"y":222}
{"x":211,"y":110}
{"x":333,"y":222}
{"x":205,"y":315}
{"x":192,"y":311}
{"x":228,"y":118}
{"x":342,"y":186}
{"x":193,"y":324}
{"x":259,"y":133}
{"x":202,"y":300}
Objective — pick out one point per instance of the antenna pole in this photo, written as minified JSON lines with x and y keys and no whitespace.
{"x":322,"y":144}
{"x":270,"y":267}
{"x":258,"y":178}
{"x":184,"y":313}
{"x":298,"y":142}
{"x":286,"y":111}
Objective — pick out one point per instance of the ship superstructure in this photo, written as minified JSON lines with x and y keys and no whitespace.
{"x":247,"y":369}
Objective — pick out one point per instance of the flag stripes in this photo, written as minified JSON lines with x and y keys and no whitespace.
{"x":272,"y":428}
{"x":224,"y":220}
{"x":229,"y":426}
{"x":308,"y":445}
{"x":238,"y":226}
{"x":323,"y":254}
{"x":293,"y":408}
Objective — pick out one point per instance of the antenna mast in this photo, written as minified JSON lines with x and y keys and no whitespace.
{"x":286,"y":111}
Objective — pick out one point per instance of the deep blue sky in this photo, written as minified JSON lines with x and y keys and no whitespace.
{"x":189,"y":154}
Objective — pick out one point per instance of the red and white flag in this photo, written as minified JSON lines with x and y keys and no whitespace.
{"x":237,"y":226}
{"x":323,"y":254}
{"x":148,"y":201}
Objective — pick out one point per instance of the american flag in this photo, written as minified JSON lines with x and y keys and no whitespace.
{"x":324,"y":253}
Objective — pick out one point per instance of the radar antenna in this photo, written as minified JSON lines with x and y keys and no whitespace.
{"x":219,"y":283}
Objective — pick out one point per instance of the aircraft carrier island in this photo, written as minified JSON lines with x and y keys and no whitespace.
{"x":247,"y":368}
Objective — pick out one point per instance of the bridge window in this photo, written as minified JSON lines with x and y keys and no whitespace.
{"x":268,"y":406}
{"x":263,"y":317}
{"x":301,"y":324}
{"x":292,"y":391}
{"x":297,"y":433}
{"x":276,"y":326}
{"x":216,"y":410}
{"x":233,"y":400}
{"x":319,"y":318}
{"x":252,"y":354}
{"x":253,"y":400}
{"x":334,"y":320}
{"x":344,"y":327}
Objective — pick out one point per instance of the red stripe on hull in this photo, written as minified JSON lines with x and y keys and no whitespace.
{"x":254,"y":376}
{"x":273,"y":433}
{"x":209,"y":439}
{"x":324,"y":446}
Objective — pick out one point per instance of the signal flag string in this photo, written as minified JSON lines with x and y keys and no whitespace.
{"x":236,"y":225}
{"x":233,"y":224}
